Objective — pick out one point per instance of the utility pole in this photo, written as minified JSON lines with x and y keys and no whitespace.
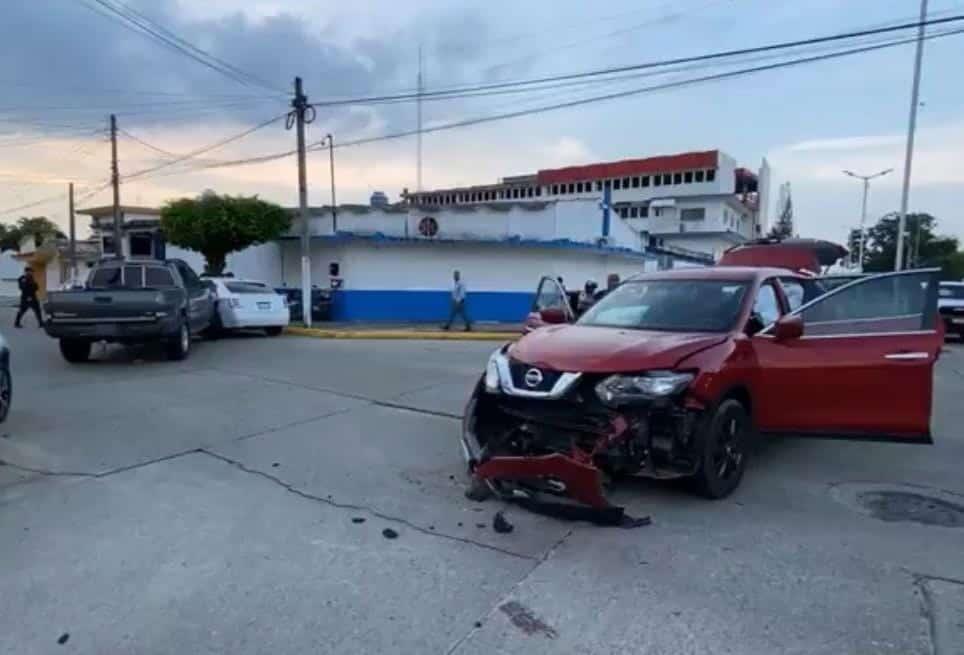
{"x":115,"y":182}
{"x":418,"y":109}
{"x":331,"y":166}
{"x":73,"y":233}
{"x":911,"y":128}
{"x":301,"y":114}
{"x":863,"y":207}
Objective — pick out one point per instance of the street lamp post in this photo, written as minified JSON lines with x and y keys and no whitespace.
{"x":331,"y":163}
{"x":863,"y":206}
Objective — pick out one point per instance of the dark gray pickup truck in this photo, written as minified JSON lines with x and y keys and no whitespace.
{"x":131,"y":302}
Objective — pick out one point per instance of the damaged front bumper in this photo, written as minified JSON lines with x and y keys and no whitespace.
{"x":554,"y":454}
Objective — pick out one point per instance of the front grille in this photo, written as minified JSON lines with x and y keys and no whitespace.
{"x":957,"y":311}
{"x":568,"y":415}
{"x":518,"y":370}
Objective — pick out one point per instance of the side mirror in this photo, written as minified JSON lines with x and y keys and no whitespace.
{"x":553,"y":315}
{"x":788,"y":327}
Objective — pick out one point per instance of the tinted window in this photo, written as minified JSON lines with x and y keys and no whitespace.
{"x":246,"y":287}
{"x":190,"y":277}
{"x":133,"y":277}
{"x":951,"y":291}
{"x":766,"y":307}
{"x":106,"y":278}
{"x":155,"y":276}
{"x":678,"y":305}
{"x":888,"y":303}
{"x":794,"y":291}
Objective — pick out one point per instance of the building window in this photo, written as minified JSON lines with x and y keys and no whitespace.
{"x":572,"y":188}
{"x":688,"y":177}
{"x":635,"y":182}
{"x":699,"y":176}
{"x":616,"y":184}
{"x":598,"y":185}
{"x":578,"y":187}
{"x":624,"y":212}
{"x":657,"y":180}
{"x":657,"y":211}
{"x":667,"y":179}
{"x":530,"y":192}
{"x":692,"y":214}
{"x":107,"y":245}
{"x":555,"y":189}
{"x":625,"y":182}
{"x":644,"y":211}
{"x":677,"y":178}
{"x":634,"y":212}
{"x":538,"y":191}
{"x":608,"y":184}
{"x":515,"y":193}
{"x":711,"y":175}
{"x":645,"y":180}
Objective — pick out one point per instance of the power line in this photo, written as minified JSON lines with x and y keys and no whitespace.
{"x":642,"y":66}
{"x":208,"y":148}
{"x":44,"y":201}
{"x":136,"y":22}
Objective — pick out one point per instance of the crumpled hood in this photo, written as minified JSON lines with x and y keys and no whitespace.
{"x":608,"y":350}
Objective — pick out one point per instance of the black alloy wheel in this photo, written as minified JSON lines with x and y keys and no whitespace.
{"x":724,"y":455}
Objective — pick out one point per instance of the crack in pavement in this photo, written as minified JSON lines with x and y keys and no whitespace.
{"x":290,"y":488}
{"x":353,"y":396}
{"x":482,"y":619}
{"x":928,"y":608}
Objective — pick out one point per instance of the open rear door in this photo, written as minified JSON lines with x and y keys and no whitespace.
{"x":863,"y":367}
{"x":549,"y":295}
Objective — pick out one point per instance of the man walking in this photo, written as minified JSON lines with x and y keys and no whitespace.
{"x":458,"y":303}
{"x":28,"y":297}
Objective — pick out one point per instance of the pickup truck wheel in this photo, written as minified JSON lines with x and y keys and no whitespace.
{"x":75,"y":351}
{"x":273,"y":331}
{"x":723,"y":460}
{"x":180,"y":346}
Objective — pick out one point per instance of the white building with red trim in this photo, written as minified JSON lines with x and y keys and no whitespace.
{"x":700,"y":201}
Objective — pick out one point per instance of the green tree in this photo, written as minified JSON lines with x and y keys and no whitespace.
{"x":923,"y":247}
{"x":216,"y":225}
{"x":783,"y":228}
{"x":41,"y":228}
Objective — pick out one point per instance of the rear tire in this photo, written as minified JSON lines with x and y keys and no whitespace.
{"x":75,"y":351}
{"x":6,"y":392}
{"x":724,"y":450}
{"x":274,"y":330}
{"x":179,"y":347}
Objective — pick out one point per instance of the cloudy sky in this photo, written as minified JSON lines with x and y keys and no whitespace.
{"x":66,"y":64}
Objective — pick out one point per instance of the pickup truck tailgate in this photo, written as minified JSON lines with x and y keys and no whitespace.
{"x":107,"y":305}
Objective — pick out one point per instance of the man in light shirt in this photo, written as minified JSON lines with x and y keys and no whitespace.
{"x":459,"y":294}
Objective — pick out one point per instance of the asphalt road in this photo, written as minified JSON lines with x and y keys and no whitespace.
{"x":236,"y":502}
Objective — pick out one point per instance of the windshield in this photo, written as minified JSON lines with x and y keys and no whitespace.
{"x":954,"y":291}
{"x":677,"y":305}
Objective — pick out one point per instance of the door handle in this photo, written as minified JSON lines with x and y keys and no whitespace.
{"x":907,"y":355}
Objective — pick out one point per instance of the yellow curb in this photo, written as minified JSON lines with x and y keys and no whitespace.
{"x":318,"y":333}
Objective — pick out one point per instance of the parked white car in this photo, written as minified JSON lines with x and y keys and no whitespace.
{"x":248,"y":304}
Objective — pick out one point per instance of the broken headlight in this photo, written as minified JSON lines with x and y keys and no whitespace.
{"x":492,"y":381}
{"x":626,"y":389}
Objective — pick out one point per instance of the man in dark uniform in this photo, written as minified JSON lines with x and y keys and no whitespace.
{"x":28,"y":297}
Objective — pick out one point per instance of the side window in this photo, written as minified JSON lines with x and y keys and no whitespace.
{"x":190,"y":277}
{"x":794,"y":291}
{"x":550,"y":296}
{"x":766,"y":307}
{"x":905,"y":302}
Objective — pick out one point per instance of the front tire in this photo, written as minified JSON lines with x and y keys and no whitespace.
{"x":724,"y":450}
{"x":6,"y":392}
{"x":274,"y":330}
{"x":75,"y":351}
{"x":180,"y":346}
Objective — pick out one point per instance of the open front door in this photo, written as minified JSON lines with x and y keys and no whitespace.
{"x":551,"y":298}
{"x":863,"y":367}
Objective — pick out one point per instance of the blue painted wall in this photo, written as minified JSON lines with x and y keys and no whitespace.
{"x":428,"y":306}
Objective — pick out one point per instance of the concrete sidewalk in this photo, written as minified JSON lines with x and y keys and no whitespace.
{"x":346,"y":330}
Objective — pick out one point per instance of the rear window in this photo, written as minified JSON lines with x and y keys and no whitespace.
{"x":106,"y":278}
{"x":133,"y":277}
{"x":247,"y":287}
{"x":158,"y":277}
{"x":951,"y":291}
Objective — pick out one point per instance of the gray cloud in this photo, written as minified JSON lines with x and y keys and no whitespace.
{"x":63,"y":63}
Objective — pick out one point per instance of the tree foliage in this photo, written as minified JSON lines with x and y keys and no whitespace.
{"x":923,"y":247}
{"x":783,"y":227}
{"x":41,"y":228}
{"x":217,"y":225}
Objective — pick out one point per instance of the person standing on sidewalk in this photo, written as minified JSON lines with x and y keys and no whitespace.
{"x":458,"y":303}
{"x":28,"y":297}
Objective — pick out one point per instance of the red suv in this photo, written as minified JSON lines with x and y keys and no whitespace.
{"x":671,"y":374}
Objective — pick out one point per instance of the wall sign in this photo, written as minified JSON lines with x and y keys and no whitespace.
{"x":428,"y":227}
